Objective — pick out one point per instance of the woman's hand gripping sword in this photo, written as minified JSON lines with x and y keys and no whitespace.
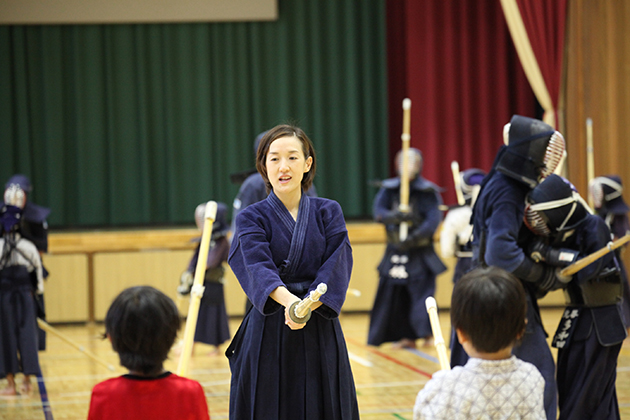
{"x":300,"y":310}
{"x":437,"y":333}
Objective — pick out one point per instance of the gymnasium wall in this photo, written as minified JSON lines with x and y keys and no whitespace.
{"x":88,"y":270}
{"x":597,"y":86}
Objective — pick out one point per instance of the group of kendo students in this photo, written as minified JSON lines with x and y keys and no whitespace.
{"x":520,"y":225}
{"x":524,"y":222}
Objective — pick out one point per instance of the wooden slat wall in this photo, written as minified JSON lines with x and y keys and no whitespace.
{"x":88,"y":269}
{"x":66,"y":289}
{"x":597,"y":86}
{"x":117,"y":241}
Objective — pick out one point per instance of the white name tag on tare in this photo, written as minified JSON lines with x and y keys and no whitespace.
{"x":566,"y":256}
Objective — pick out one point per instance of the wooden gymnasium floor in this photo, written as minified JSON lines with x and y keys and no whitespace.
{"x":387,"y":380}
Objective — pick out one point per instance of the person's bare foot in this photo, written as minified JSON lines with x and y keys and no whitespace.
{"x":8,"y":391}
{"x":215,"y":352}
{"x":428,"y":342}
{"x":178,"y":348}
{"x":404,"y":343}
{"x":26,"y":387}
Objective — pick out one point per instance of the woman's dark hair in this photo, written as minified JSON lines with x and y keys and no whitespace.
{"x":142,"y":323}
{"x":285,"y":130}
{"x":489,"y":306}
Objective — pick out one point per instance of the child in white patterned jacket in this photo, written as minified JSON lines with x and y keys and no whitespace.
{"x":488,"y":312}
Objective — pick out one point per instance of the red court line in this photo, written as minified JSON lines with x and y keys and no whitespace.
{"x":388,"y":357}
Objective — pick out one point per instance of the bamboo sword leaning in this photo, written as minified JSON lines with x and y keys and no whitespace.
{"x":47,"y":327}
{"x":438,"y":339}
{"x":197,"y":289}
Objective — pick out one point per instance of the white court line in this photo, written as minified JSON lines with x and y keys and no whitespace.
{"x":48,"y":378}
{"x":48,"y":404}
{"x":56,"y":378}
{"x":390,"y":384}
{"x":208,"y":371}
{"x":87,"y":394}
{"x":217,"y":395}
{"x":399,"y":410}
{"x":214,"y":383}
{"x":360,"y":360}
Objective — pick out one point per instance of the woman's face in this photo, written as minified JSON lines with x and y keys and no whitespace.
{"x":286,"y":164}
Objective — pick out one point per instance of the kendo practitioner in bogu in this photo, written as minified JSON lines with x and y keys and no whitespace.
{"x":531,"y":152}
{"x":212,"y":321}
{"x":591,"y":330}
{"x":606,"y":192}
{"x":34,"y":227}
{"x":455,"y":240}
{"x":21,"y":279}
{"x":409,"y":267}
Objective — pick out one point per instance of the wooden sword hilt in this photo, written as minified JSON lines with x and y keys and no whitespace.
{"x":300,"y":310}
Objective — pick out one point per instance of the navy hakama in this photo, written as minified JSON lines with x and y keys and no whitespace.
{"x":399,"y":310}
{"x":407,"y":273}
{"x":279,"y":373}
{"x":18,"y":324}
{"x":20,"y":274}
{"x":212,"y":322}
{"x":587,"y":372}
{"x":589,"y":338}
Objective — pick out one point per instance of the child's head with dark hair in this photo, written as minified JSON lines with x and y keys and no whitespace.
{"x":489,"y":307}
{"x":142,"y":324}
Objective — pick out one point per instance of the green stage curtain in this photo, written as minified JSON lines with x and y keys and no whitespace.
{"x":134,"y":125}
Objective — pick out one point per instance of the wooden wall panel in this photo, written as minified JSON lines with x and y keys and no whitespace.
{"x":234,"y":296}
{"x":66,"y":289}
{"x":597,"y":86}
{"x":113,"y":272}
{"x":364,"y":277}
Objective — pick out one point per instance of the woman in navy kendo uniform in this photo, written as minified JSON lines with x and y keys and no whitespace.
{"x":284,"y":247}
{"x":532,"y":151}
{"x":252,"y":190}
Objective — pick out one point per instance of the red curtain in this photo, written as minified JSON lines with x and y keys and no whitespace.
{"x":457,"y":63}
{"x":544,"y":22}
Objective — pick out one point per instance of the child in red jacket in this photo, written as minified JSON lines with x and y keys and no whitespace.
{"x":142,"y":325}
